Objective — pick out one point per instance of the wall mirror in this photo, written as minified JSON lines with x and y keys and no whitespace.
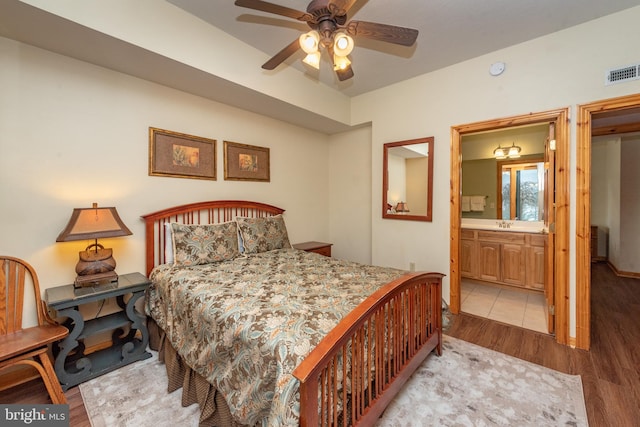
{"x":407,"y":175}
{"x":499,"y":186}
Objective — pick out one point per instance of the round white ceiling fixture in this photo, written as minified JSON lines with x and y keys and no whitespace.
{"x":496,"y":68}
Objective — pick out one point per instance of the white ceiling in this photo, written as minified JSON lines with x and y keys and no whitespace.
{"x":451,"y":31}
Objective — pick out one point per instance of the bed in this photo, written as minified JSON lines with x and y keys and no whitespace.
{"x":264,"y":334}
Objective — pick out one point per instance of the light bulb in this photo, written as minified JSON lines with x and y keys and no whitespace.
{"x":342,"y":44}
{"x":499,"y":153}
{"x":313,"y":59}
{"x":340,"y":62}
{"x":309,"y":42}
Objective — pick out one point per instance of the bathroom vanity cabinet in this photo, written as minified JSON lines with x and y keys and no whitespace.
{"x":503,"y":257}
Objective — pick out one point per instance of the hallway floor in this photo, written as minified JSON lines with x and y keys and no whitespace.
{"x":508,"y":305}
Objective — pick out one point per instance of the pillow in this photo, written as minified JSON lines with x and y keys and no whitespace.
{"x":168,"y":243}
{"x":240,"y":244}
{"x":263,"y":234}
{"x":204,"y":243}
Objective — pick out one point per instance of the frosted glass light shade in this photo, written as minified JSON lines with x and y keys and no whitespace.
{"x":340,"y":62}
{"x":309,"y":42}
{"x":342,"y":44}
{"x":313,"y":59}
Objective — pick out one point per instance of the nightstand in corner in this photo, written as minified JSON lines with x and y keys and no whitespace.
{"x":317,"y":247}
{"x":129,"y":330}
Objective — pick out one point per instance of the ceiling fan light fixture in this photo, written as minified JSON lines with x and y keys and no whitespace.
{"x":309,"y":42}
{"x":340,"y":62}
{"x":342,"y":43}
{"x":313,"y":59}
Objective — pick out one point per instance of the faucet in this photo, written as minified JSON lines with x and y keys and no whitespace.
{"x":503,"y":224}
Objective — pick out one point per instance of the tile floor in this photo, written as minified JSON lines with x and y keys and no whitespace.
{"x":513,"y":306}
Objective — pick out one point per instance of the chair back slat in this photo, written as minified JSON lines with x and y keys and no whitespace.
{"x":26,"y":347}
{"x":15,"y":274}
{"x":3,"y":300}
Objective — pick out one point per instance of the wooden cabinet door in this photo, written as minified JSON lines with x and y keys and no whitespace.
{"x":535,"y":268}
{"x":468,"y":262}
{"x":489,"y":262}
{"x":513,"y":264}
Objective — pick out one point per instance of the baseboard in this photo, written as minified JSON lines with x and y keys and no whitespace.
{"x":630,"y":274}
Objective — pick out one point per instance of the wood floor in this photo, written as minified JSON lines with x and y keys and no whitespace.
{"x":610,"y":370}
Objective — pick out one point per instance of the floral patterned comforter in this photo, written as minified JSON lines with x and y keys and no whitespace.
{"x":245,"y":324}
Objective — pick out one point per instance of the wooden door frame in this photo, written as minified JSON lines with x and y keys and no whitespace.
{"x":583,"y":208}
{"x":561,"y":118}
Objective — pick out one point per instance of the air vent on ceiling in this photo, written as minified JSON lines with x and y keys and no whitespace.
{"x":623,"y":74}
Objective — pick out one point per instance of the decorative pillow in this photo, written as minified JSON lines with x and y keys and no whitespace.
{"x":168,"y":243}
{"x":263,"y":234}
{"x":204,"y":243}
{"x":240,"y":243}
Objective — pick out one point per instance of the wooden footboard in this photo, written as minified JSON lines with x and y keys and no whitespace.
{"x":383,"y":340}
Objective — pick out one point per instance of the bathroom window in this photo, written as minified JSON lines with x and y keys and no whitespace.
{"x":521,"y":192}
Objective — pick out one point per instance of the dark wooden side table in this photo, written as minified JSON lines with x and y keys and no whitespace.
{"x":317,"y":247}
{"x":71,"y":364}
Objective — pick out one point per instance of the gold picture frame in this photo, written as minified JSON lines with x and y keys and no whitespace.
{"x":244,"y":162}
{"x":180,"y":155}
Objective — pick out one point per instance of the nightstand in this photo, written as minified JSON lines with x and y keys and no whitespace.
{"x":129,"y":330}
{"x":317,"y":247}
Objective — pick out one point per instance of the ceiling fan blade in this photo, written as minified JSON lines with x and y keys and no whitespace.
{"x":345,"y":74}
{"x":281,"y":56}
{"x":264,"y":6}
{"x":383,"y":32}
{"x":340,"y":7}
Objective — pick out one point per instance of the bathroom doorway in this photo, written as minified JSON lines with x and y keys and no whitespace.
{"x":504,"y":191}
{"x":555,"y":259}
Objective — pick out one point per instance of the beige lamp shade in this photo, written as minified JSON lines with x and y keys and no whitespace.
{"x":96,"y":264}
{"x":402,"y":207}
{"x":93,"y":223}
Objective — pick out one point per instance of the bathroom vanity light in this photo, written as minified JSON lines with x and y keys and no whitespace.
{"x":499,"y":153}
{"x":512,"y":152}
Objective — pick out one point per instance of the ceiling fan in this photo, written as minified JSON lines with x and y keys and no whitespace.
{"x":330,"y":29}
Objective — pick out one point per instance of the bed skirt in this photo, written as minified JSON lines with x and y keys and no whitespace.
{"x":214,"y":410}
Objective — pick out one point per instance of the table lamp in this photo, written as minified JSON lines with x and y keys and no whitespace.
{"x":96,"y":264}
{"x":402,"y":207}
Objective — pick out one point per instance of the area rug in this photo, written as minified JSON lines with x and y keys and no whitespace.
{"x":136,"y":395}
{"x":474,"y":386}
{"x":467,"y":386}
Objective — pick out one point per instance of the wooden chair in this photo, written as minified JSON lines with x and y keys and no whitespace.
{"x":26,"y":346}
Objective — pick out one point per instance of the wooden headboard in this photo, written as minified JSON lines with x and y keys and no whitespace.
{"x":212,"y":212}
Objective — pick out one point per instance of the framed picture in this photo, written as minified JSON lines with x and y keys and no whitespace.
{"x":246,"y":162}
{"x":180,"y":155}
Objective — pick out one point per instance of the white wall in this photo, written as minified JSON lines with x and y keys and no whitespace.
{"x":73,"y":133}
{"x":350,"y":194}
{"x":560,"y":70}
{"x":615,"y":200}
{"x":605,"y":193}
{"x":629,"y":261}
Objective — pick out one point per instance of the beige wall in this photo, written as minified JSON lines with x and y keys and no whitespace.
{"x":605,"y":194}
{"x":417,"y":185}
{"x":629,"y":261}
{"x":73,"y":133}
{"x":350,"y":195}
{"x":480,"y":178}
